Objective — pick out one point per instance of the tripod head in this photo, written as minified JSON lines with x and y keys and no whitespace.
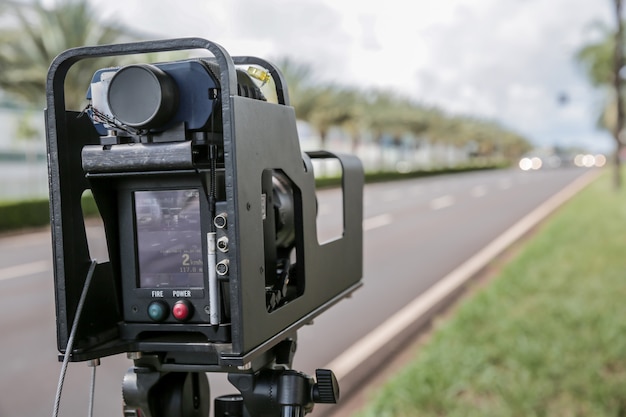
{"x":275,"y":390}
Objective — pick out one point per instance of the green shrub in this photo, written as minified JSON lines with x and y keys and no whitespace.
{"x":16,"y":215}
{"x":23,"y":214}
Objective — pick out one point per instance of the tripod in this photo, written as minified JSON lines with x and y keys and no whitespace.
{"x":273,"y":391}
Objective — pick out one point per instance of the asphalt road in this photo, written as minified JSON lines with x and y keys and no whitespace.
{"x":415,"y":232}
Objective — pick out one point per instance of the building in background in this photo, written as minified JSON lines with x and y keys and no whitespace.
{"x":23,"y":168}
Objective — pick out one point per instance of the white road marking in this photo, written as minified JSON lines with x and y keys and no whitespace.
{"x":478,"y":191}
{"x":506,"y":183}
{"x":377,"y":221}
{"x":417,"y":190}
{"x":391,"y":196}
{"x":442,"y":202}
{"x":24,"y":269}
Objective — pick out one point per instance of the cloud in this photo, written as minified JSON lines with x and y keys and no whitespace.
{"x":507,"y":60}
{"x":510,"y":60}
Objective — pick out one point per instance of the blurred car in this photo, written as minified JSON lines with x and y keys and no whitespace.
{"x":589,"y":161}
{"x":551,"y":158}
{"x":542,"y":161}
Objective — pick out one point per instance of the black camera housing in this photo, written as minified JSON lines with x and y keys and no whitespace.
{"x":241,"y":176}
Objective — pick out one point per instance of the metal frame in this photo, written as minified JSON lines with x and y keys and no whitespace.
{"x":256,"y":136}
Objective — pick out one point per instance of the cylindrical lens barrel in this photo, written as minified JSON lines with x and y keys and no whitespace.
{"x":142,"y":96}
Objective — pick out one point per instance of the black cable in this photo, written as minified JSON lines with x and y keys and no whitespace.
{"x":70,"y":340}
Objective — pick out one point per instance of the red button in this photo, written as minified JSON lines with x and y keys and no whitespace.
{"x":181,"y":310}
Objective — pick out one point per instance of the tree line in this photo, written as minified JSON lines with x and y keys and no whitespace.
{"x":388,"y":116}
{"x":34,"y":34}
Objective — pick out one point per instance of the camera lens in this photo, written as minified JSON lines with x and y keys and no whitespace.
{"x":142,"y":96}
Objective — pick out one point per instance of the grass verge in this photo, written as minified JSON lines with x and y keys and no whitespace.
{"x":547,"y":337}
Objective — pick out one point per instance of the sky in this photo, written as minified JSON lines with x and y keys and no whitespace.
{"x":503,"y":60}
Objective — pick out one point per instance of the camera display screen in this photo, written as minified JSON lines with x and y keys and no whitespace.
{"x":169,"y":238}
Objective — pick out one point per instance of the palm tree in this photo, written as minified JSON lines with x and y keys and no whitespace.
{"x":618,"y":66}
{"x":596,"y":58}
{"x":604,"y":64}
{"x":333,"y":106}
{"x":354,"y":124}
{"x":323,"y":106}
{"x":298,"y":76}
{"x":386,"y":114}
{"x":382,"y":117}
{"x":41,"y":33}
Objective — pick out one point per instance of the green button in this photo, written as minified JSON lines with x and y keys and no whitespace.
{"x":157,"y":311}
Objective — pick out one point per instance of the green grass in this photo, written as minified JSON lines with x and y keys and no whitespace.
{"x":546,"y":338}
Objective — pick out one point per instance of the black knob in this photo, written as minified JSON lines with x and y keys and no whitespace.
{"x":229,"y":405}
{"x":326,"y":390}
